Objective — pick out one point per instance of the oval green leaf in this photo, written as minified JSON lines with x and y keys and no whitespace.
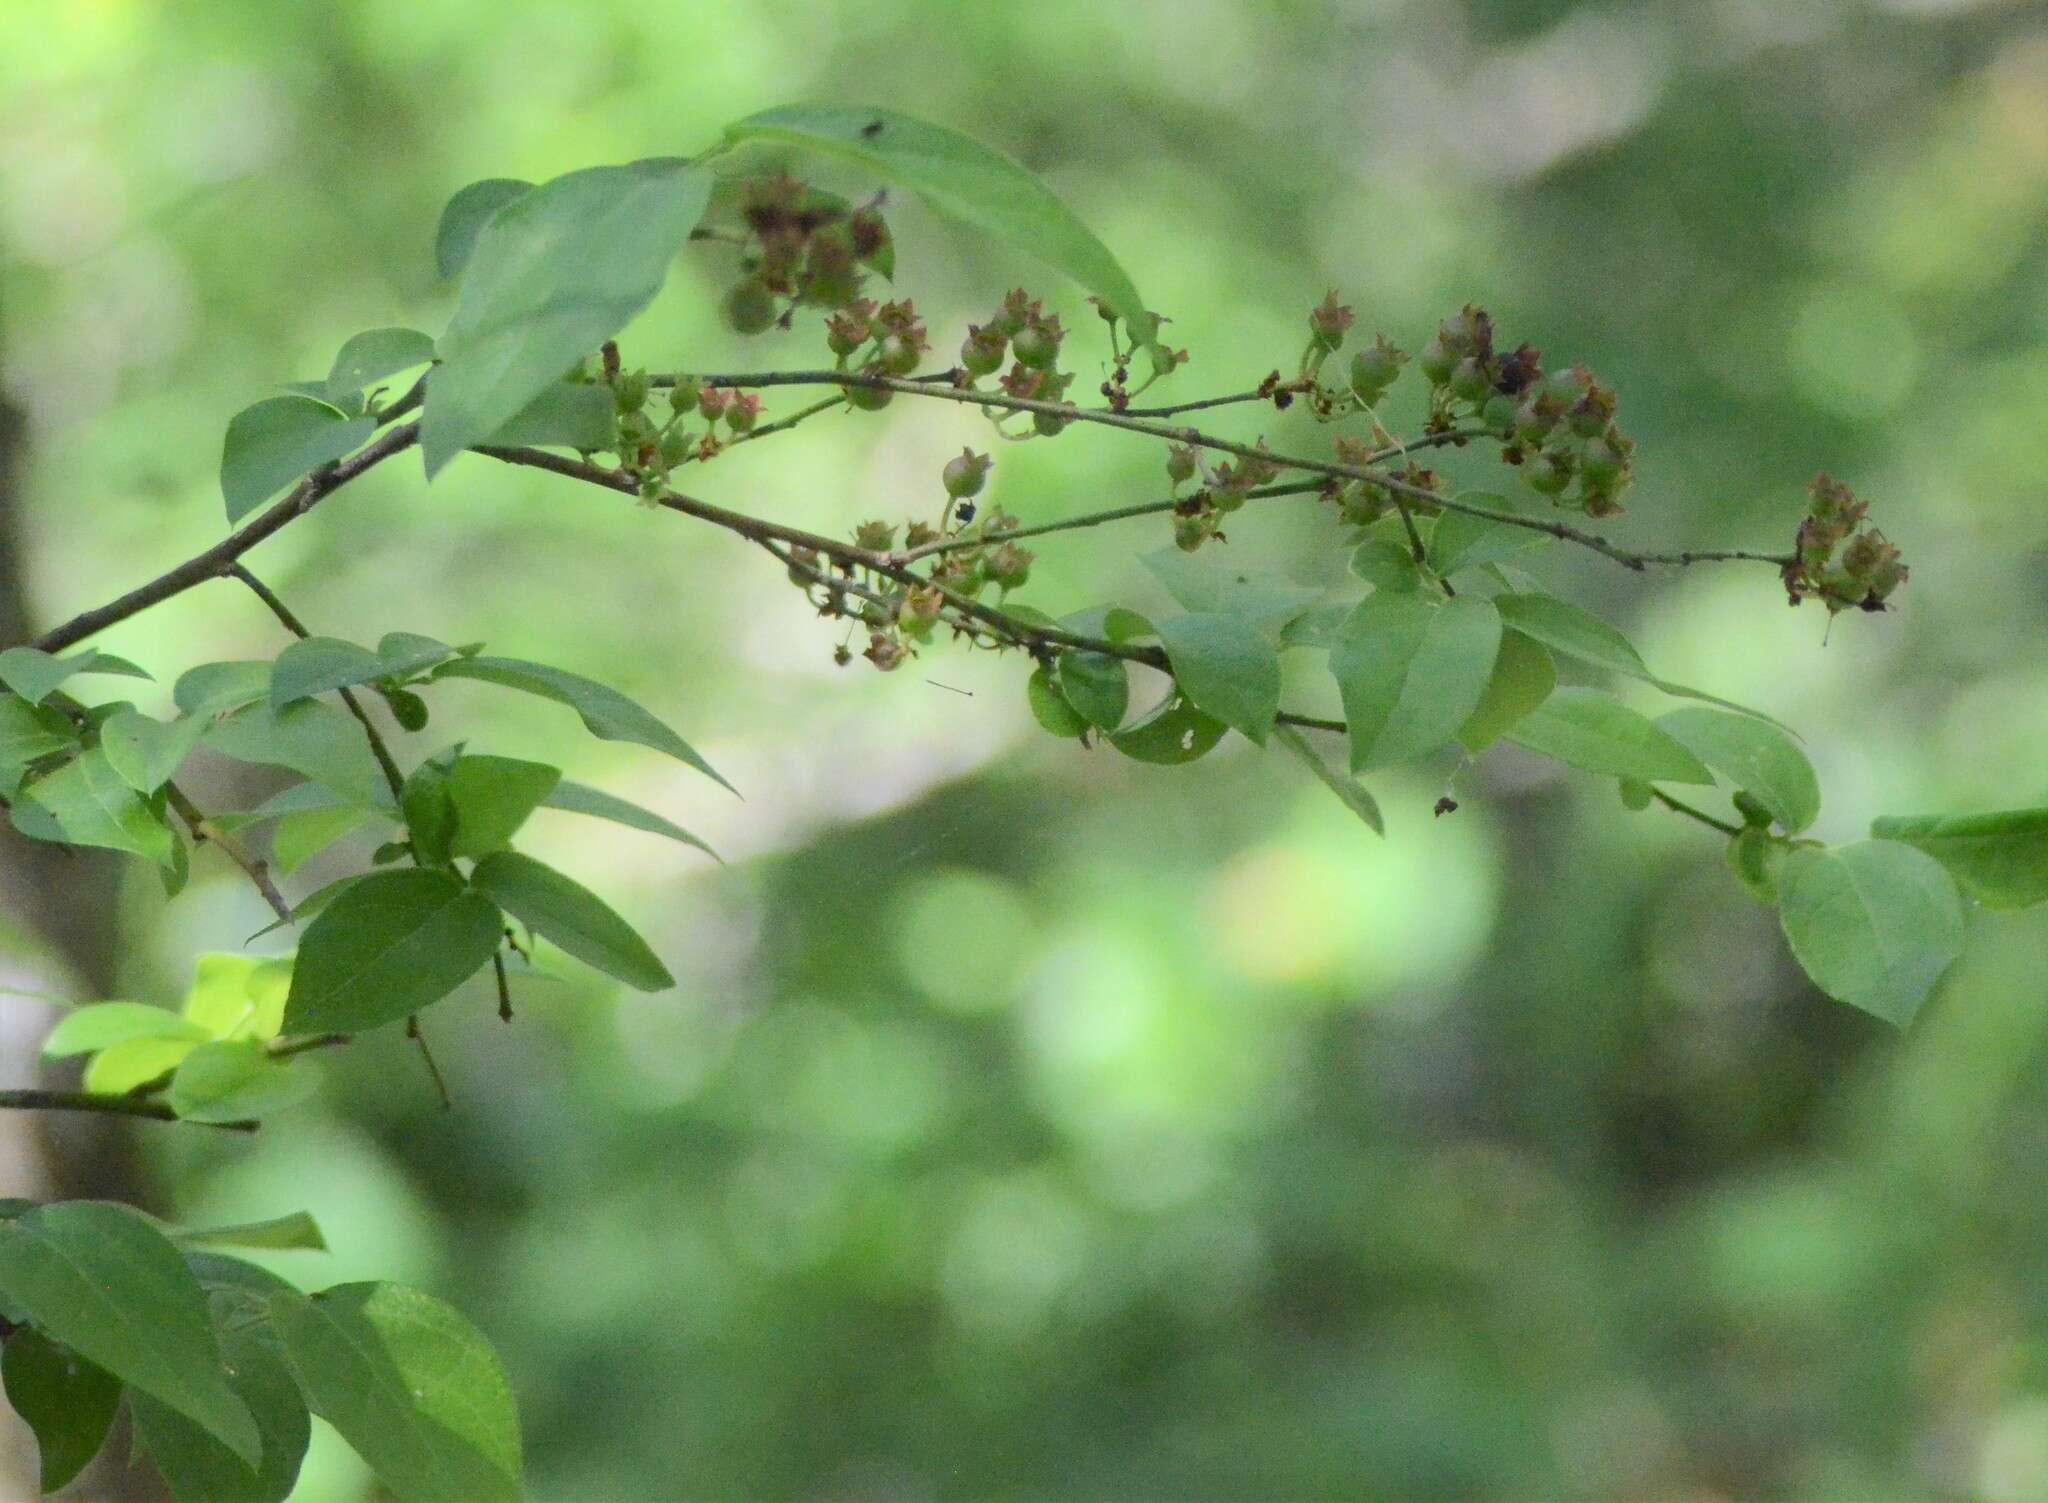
{"x":1756,"y":757}
{"x":392,"y":943}
{"x":274,"y":442}
{"x":572,"y":916}
{"x":1412,"y":672}
{"x":1999,"y":859}
{"x":1226,"y":670}
{"x":1596,"y":732}
{"x":1874,"y":924}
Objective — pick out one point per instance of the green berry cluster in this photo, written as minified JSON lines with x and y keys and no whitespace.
{"x":1360,"y":503}
{"x":803,"y":247}
{"x":894,"y":341}
{"x":1835,"y":563}
{"x":1199,"y":516}
{"x":1030,"y":338}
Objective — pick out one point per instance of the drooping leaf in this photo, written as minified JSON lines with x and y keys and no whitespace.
{"x":966,"y":181}
{"x":1049,"y":706}
{"x":316,"y":665}
{"x":33,"y":673}
{"x":1203,"y":585}
{"x":606,"y":713}
{"x":1874,"y":923}
{"x":1096,"y":685}
{"x":1174,"y":733}
{"x":2000,"y":859}
{"x":553,"y":274}
{"x":1411,"y":672}
{"x":1354,"y":795}
{"x":93,"y":806}
{"x":67,"y":1401}
{"x":1523,"y":676}
{"x":579,"y":798}
{"x":86,"y":1030}
{"x":492,"y":796}
{"x":390,"y":944}
{"x":120,"y":1068}
{"x":1387,"y":565}
{"x":274,"y":442}
{"x":1226,"y":668}
{"x":104,"y":1282}
{"x":465,"y":215}
{"x":235,"y":1082}
{"x":1463,"y":541}
{"x":297,"y":1232}
{"x":1753,"y":755}
{"x":145,"y":753}
{"x":565,"y":415}
{"x":374,"y":354}
{"x":569,"y":914}
{"x":311,"y":737}
{"x":1596,"y":732}
{"x":411,"y":1385}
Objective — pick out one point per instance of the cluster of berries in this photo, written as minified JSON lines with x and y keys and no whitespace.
{"x":1360,"y":503}
{"x":894,"y":341}
{"x":649,"y":449}
{"x":1862,"y":575}
{"x":805,"y":247}
{"x":1030,"y":338}
{"x":1198,"y":517}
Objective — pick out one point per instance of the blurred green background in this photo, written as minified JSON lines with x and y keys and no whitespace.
{"x":1032,"y":1123}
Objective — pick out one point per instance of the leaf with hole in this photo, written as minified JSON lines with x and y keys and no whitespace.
{"x":1174,"y":733}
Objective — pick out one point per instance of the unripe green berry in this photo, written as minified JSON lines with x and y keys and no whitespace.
{"x":869,"y":398}
{"x":1499,"y":413}
{"x":1048,"y":425}
{"x":982,"y":351}
{"x":683,"y":395}
{"x":1009,"y":566}
{"x":675,"y":448}
{"x":1548,"y":473}
{"x":1600,"y":463}
{"x":896,"y":356}
{"x":1180,"y":463}
{"x":1437,"y":362}
{"x":630,"y":391}
{"x":749,"y":308}
{"x":1469,"y":381}
{"x":965,"y":475}
{"x":1034,"y":347}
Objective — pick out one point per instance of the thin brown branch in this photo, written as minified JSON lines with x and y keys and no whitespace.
{"x":204,"y":829}
{"x":112,"y":1106}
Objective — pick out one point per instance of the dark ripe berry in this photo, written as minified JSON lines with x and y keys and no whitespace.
{"x":1470,"y":381}
{"x":868,"y":398}
{"x":964,"y":513}
{"x":965,"y":475}
{"x":1437,"y":362}
{"x":749,"y":308}
{"x":1548,"y":473}
{"x":1034,"y":347}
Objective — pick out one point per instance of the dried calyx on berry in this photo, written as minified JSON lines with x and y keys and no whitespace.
{"x":1328,"y":322}
{"x":965,"y":475}
{"x":1863,"y":575}
{"x":1373,"y":370}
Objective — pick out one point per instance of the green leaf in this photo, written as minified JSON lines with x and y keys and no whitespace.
{"x":390,"y":944}
{"x":1206,"y":587}
{"x":1049,"y":706}
{"x":67,"y":1401}
{"x":301,"y":836}
{"x":553,"y":275}
{"x":374,"y":354}
{"x":1874,"y":924}
{"x":1321,"y":627}
{"x":1412,"y":672}
{"x":1387,"y":566}
{"x":1462,"y":541}
{"x":1756,"y":757}
{"x":570,"y":915}
{"x":33,"y":673}
{"x":579,"y":798}
{"x":311,"y":737}
{"x":316,"y":665}
{"x":492,"y":798}
{"x":145,"y":753}
{"x":1096,"y":686}
{"x":297,"y":1232}
{"x":1999,"y":859}
{"x":1174,"y":733}
{"x":238,"y":996}
{"x":1596,"y":732}
{"x":93,"y":806}
{"x":411,"y":1385}
{"x":405,"y":653}
{"x":101,"y":1025}
{"x":120,"y":1068}
{"x":465,"y":216}
{"x":272,"y":443}
{"x":103,"y":1281}
{"x":566,"y":415}
{"x":966,"y":181}
{"x":1226,"y":669}
{"x":1523,"y":676}
{"x":213,"y":688}
{"x":236,"y":1082}
{"x":28,"y":732}
{"x":1353,"y":794}
{"x":1755,"y":857}
{"x":429,"y":811}
{"x":606,"y":713}
{"x":197,"y":1468}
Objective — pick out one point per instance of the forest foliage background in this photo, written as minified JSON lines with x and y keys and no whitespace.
{"x":1032,"y":1122}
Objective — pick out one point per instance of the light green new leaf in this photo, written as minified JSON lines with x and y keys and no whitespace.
{"x":1999,"y":859}
{"x":1354,"y":794}
{"x":392,"y":943}
{"x":103,"y":1281}
{"x":33,"y":673}
{"x":101,"y":1025}
{"x":297,"y":1232}
{"x":147,"y":753}
{"x":554,"y":274}
{"x":1874,"y":924}
{"x":1463,"y":541}
{"x":411,"y":1384}
{"x":93,"y":806}
{"x":1756,"y":757}
{"x":1226,"y":669}
{"x":1174,"y":733}
{"x":238,"y":996}
{"x":67,"y":1401}
{"x":1096,"y":685}
{"x":120,"y":1068}
{"x":374,"y":354}
{"x":492,"y":798}
{"x":966,"y":181}
{"x":570,"y":915}
{"x":1523,"y":676}
{"x":272,"y":443}
{"x":1204,"y":586}
{"x":316,"y":665}
{"x":465,"y":215}
{"x":236,"y":1082}
{"x":1411,"y":673}
{"x":580,"y":798}
{"x":1596,"y":732}
{"x":606,"y":713}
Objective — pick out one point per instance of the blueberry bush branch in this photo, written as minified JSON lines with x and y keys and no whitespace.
{"x":1440,"y":646}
